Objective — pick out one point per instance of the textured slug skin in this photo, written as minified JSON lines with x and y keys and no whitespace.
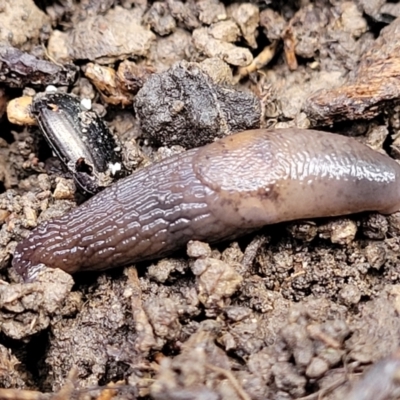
{"x":218,"y":191}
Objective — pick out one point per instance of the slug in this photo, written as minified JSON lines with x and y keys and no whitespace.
{"x":220,"y":191}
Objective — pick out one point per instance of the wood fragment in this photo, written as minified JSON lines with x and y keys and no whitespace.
{"x":232,"y":380}
{"x":373,"y":86}
{"x":18,"y":69}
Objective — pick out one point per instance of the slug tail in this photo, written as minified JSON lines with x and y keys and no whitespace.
{"x":27,"y":270}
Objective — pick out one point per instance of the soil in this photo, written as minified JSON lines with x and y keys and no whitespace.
{"x":301,"y":310}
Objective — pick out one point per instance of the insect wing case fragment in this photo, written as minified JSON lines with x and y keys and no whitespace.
{"x":215,"y":192}
{"x":79,"y":138}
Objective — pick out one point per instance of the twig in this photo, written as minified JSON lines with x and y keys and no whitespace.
{"x":233,"y":381}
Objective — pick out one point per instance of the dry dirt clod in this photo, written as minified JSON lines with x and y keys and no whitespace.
{"x":288,"y":380}
{"x":171,"y":49}
{"x":342,"y":231}
{"x":211,"y":11}
{"x":273,"y":24}
{"x":216,"y":281}
{"x":10,"y":377}
{"x":163,"y":317}
{"x":369,"y":88}
{"x":21,"y":22}
{"x":317,"y":368}
{"x":198,"y":249}
{"x":376,"y":329}
{"x":160,"y":19}
{"x":145,"y":339}
{"x":101,"y":38}
{"x":198,"y":371}
{"x":184,"y":106}
{"x":218,"y":70}
{"x":247,"y":16}
{"x":349,"y":295}
{"x":185,"y":14}
{"x":65,"y":189}
{"x":226,"y":31}
{"x":18,"y":69}
{"x":102,"y":333}
{"x":228,"y":52}
{"x":167,"y":270}
{"x":33,"y":303}
{"x":375,"y":226}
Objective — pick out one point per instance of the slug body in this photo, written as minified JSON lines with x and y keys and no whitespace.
{"x":215,"y":192}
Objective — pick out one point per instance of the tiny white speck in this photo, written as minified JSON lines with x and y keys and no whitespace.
{"x":114,"y":168}
{"x":50,"y":88}
{"x":86,"y":103}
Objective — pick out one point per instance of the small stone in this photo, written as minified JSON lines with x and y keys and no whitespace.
{"x":228,"y":52}
{"x":237,"y":313}
{"x":65,"y":189}
{"x":344,"y":232}
{"x":317,"y":368}
{"x":394,"y":224}
{"x":227,"y":31}
{"x":86,"y":104}
{"x":3,"y":216}
{"x":288,"y":379}
{"x":331,"y":356}
{"x":376,"y":255}
{"x":349,"y":295}
{"x":218,"y":70}
{"x":160,"y":18}
{"x":198,"y":249}
{"x":211,"y":11}
{"x":30,"y":217}
{"x":18,"y":111}
{"x":375,"y":226}
{"x":199,"y":266}
{"x":101,"y":38}
{"x":161,"y":271}
{"x":248,"y":17}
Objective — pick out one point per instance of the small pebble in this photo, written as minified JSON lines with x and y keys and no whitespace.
{"x":317,"y":368}
{"x":65,"y":189}
{"x":349,"y":295}
{"x":198,"y":249}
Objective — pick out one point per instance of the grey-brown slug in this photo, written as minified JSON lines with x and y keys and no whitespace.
{"x":215,"y":192}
